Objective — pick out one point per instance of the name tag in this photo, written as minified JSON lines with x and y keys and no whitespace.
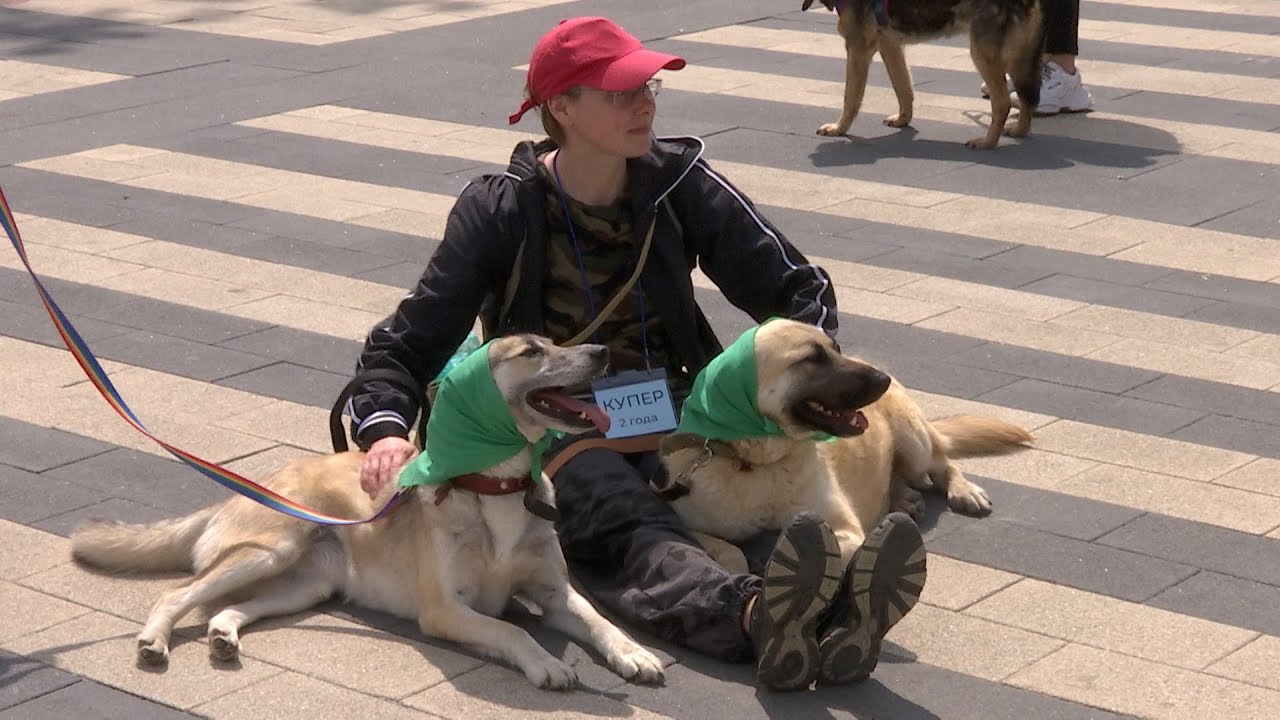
{"x":637,"y":403}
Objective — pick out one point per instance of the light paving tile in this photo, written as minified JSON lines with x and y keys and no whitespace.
{"x":1110,"y":624}
{"x":496,"y":693}
{"x":211,"y":187}
{"x":129,"y":597}
{"x":71,"y":236}
{"x":990,"y":299}
{"x":1031,"y":468}
{"x":27,"y":611}
{"x":28,"y":551}
{"x":1158,"y":328}
{"x":1263,"y":347}
{"x":283,"y":422}
{"x":50,"y":261}
{"x":1189,"y":362}
{"x":935,"y":405}
{"x":102,"y":647}
{"x":1144,"y":688}
{"x":1260,"y":476}
{"x":1019,"y":331}
{"x":956,"y":584}
{"x":1192,"y":249}
{"x":1168,"y":36}
{"x":355,"y":656}
{"x":261,"y":464}
{"x":272,"y":278}
{"x":1144,"y":452}
{"x":867,"y":277}
{"x":192,"y":290}
{"x":292,"y":695}
{"x":1177,"y":497}
{"x":792,"y":189}
{"x":91,"y":167}
{"x":968,"y":644}
{"x":1254,"y":663}
{"x":317,"y":317}
{"x":407,"y":222}
{"x":19,"y":77}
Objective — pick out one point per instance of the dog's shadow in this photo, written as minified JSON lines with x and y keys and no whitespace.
{"x":1106,"y":142}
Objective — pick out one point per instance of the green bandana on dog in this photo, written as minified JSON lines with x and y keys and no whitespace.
{"x":722,"y":404}
{"x":470,"y":427}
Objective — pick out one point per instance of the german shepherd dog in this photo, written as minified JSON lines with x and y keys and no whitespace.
{"x":1005,"y":36}
{"x":885,"y":453}
{"x":451,"y":561}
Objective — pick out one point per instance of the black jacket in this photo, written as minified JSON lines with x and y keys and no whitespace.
{"x":706,"y":223}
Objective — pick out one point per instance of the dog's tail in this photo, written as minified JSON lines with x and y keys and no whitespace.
{"x":164,"y":546}
{"x":971,"y":436}
{"x":1026,"y":64}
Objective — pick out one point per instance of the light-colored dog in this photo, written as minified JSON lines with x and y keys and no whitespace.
{"x":887,"y":450}
{"x":451,"y":564}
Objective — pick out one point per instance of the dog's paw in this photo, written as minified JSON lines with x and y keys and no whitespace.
{"x":898,"y":120}
{"x":223,"y":646}
{"x":832,"y":130}
{"x":910,"y":501}
{"x":981,"y":143}
{"x":152,"y":651}
{"x":1017,"y":132}
{"x":636,"y":664}
{"x":970,"y":501}
{"x":551,"y":673}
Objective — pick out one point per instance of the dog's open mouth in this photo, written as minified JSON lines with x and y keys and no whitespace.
{"x":555,"y":403}
{"x":841,"y":422}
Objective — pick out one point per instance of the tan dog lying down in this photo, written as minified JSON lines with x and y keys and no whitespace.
{"x":451,"y":561}
{"x":885,"y":449}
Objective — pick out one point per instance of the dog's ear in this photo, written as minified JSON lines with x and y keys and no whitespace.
{"x":806,"y":5}
{"x":829,"y":4}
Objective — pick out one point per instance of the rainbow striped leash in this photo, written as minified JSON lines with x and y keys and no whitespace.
{"x":98,"y":377}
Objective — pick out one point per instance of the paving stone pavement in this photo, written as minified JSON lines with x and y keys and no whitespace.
{"x":224,"y":196}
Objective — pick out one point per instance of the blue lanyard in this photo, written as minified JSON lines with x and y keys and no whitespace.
{"x":582,"y":266}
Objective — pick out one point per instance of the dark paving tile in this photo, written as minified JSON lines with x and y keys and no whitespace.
{"x":1222,"y":398}
{"x":1055,"y":368}
{"x":312,"y":350}
{"x":1106,"y":272}
{"x":1233,"y":434}
{"x":126,"y":474}
{"x":1100,"y":292}
{"x":809,"y":224}
{"x":900,"y":689}
{"x":1204,"y":546}
{"x":26,"y":497}
{"x":185,"y":358}
{"x":87,"y":700}
{"x":1252,"y":317}
{"x":113,"y":509}
{"x":23,"y":679}
{"x":1094,"y":407}
{"x":1188,"y":108}
{"x":397,"y":246}
{"x":930,"y":240}
{"x":1049,"y":512}
{"x":1225,"y":599}
{"x":32,"y":323}
{"x":402,"y":275}
{"x":294,"y":383}
{"x":1260,"y":219}
{"x":34,"y":448}
{"x":1229,"y":290}
{"x":988,"y":271}
{"x":1088,"y":566}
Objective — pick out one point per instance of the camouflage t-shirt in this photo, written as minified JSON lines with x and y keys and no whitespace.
{"x":610,"y":249}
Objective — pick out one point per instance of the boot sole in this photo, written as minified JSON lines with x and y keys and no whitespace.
{"x":800,"y":580}
{"x":887,"y":578}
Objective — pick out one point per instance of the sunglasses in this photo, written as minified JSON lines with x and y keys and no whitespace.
{"x":627,"y":98}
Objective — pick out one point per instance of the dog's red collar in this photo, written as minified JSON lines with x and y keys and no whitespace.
{"x":488,"y":485}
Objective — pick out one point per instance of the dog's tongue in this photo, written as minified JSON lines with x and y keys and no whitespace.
{"x":572,"y":404}
{"x":860,"y":420}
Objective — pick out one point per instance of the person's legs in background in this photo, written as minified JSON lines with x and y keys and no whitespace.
{"x":1061,"y":86}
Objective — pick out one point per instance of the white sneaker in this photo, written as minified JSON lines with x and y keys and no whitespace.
{"x":1061,"y":91}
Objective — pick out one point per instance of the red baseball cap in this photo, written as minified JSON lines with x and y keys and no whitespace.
{"x":593,"y":52}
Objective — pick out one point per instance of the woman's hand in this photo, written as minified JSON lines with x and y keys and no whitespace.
{"x":383,"y":461}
